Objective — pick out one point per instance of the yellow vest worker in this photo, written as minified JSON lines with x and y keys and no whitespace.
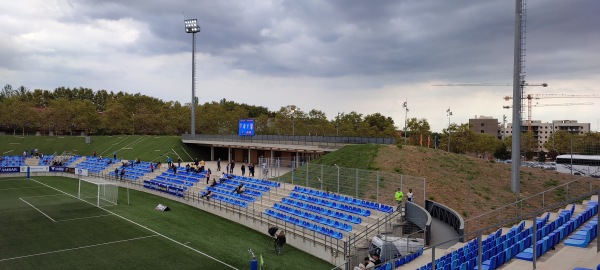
{"x":399,"y":196}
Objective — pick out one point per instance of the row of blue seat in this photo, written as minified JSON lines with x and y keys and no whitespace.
{"x":46,"y":160}
{"x":230,"y":194}
{"x":247,"y":191}
{"x":328,"y":203}
{"x":585,"y":235}
{"x":228,"y":200}
{"x":305,"y":224}
{"x":400,"y":261}
{"x":345,"y":199}
{"x":316,"y":218}
{"x":250,"y":185}
{"x":547,"y":241}
{"x":256,"y":181}
{"x":323,"y":211}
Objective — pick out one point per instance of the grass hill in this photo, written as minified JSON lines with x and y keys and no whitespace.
{"x":147,"y":148}
{"x":452,"y":178}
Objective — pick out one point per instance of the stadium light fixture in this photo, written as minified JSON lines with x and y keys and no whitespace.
{"x":191,"y":26}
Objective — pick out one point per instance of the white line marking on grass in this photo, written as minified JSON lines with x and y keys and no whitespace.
{"x":69,"y":249}
{"x":49,"y":195}
{"x":1,"y":189}
{"x":38,"y":210}
{"x":186,"y":243}
{"x":153,"y":231}
{"x":69,"y":219}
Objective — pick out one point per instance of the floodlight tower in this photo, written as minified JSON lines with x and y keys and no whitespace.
{"x":191,"y":26}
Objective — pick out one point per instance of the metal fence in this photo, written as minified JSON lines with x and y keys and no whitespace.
{"x":368,"y":185}
{"x":291,"y":139}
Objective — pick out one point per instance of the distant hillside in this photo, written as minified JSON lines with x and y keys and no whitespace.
{"x":148,"y":148}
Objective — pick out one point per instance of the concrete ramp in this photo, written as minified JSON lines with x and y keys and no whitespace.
{"x":442,"y":233}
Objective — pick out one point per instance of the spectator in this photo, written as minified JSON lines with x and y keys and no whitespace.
{"x":375,"y":259}
{"x":114,"y":154}
{"x":227,"y":168}
{"x":122,"y":172}
{"x":240,"y":189}
{"x":214,"y":183}
{"x":251,"y":169}
{"x":399,"y":196}
{"x":218,"y":165}
{"x":178,"y":162}
{"x":280,"y":241}
{"x":187,"y":168}
{"x":169,"y":161}
{"x":202,"y":164}
{"x":208,"y":194}
{"x":409,"y":196}
{"x":174,"y":169}
{"x":116,"y":173}
{"x":151,"y":167}
{"x":94,"y":153}
{"x":367,"y":264}
{"x":138,"y":161}
{"x":207,"y":176}
{"x":231,"y":166}
{"x":223,"y":177}
{"x":243,"y":168}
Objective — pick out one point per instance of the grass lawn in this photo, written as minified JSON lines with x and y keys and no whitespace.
{"x":43,"y":226}
{"x":147,"y":148}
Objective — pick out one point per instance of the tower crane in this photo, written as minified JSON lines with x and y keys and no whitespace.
{"x":531,"y":97}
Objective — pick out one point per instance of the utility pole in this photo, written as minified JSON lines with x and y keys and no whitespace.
{"x":405,"y":106}
{"x":448,"y":113}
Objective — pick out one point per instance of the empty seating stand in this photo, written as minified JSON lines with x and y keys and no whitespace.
{"x":323,"y":211}
{"x":305,"y":224}
{"x":12,"y":161}
{"x":332,"y":204}
{"x":95,"y":164}
{"x":345,"y":199}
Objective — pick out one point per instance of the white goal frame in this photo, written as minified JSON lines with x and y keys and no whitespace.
{"x":101,"y":185}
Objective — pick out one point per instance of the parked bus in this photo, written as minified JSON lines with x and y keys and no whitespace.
{"x":588,"y":165}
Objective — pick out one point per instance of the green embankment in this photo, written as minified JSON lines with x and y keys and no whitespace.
{"x":360,"y":156}
{"x":147,"y":148}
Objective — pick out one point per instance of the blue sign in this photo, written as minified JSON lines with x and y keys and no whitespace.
{"x":10,"y":169}
{"x":58,"y":169}
{"x":246,"y":127}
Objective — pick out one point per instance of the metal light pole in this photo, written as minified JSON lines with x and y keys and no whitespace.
{"x":191,"y":26}
{"x":405,"y":106}
{"x":338,"y":178}
{"x":448,"y":113}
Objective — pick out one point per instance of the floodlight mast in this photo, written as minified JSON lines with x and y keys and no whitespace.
{"x":191,"y":26}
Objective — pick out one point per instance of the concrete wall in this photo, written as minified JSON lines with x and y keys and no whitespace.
{"x":420,"y":217}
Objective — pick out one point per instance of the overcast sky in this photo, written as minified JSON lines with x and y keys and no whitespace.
{"x":334,"y":56}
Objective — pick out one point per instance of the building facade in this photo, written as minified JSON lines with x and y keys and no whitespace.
{"x":543,"y":131}
{"x":486,"y":125}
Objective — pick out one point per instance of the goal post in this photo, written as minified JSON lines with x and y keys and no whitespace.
{"x":98,"y":191}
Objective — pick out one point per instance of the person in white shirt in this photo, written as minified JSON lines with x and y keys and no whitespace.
{"x":368,"y":264}
{"x":409,"y":195}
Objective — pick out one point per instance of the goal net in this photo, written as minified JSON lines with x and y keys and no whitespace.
{"x":98,"y":191}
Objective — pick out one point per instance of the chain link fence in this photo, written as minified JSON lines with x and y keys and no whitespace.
{"x":368,"y":185}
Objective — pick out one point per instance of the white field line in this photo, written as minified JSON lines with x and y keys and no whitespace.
{"x":69,"y":219}
{"x":38,"y":210}
{"x":49,"y":195}
{"x":153,"y":231}
{"x":70,"y":249}
{"x":2,"y":189}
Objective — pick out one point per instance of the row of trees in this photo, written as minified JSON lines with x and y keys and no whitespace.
{"x":75,"y":110}
{"x":70,"y":111}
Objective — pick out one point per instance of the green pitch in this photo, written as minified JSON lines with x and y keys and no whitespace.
{"x":44,"y":226}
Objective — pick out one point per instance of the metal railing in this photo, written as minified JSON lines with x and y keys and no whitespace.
{"x":329,"y":141}
{"x":559,"y":193}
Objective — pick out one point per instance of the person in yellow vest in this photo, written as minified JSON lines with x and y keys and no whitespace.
{"x":399,"y":196}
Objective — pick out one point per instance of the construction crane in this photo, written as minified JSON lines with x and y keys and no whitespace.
{"x":531,"y":97}
{"x":559,"y":104}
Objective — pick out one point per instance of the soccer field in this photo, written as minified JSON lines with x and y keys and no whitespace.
{"x":43,"y":225}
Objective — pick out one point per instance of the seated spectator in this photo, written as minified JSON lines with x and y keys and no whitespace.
{"x":138,"y":161}
{"x":214,"y":183}
{"x":223,"y":177}
{"x":367,"y":264}
{"x":240,"y":189}
{"x":187,"y":168}
{"x":207,"y":195}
